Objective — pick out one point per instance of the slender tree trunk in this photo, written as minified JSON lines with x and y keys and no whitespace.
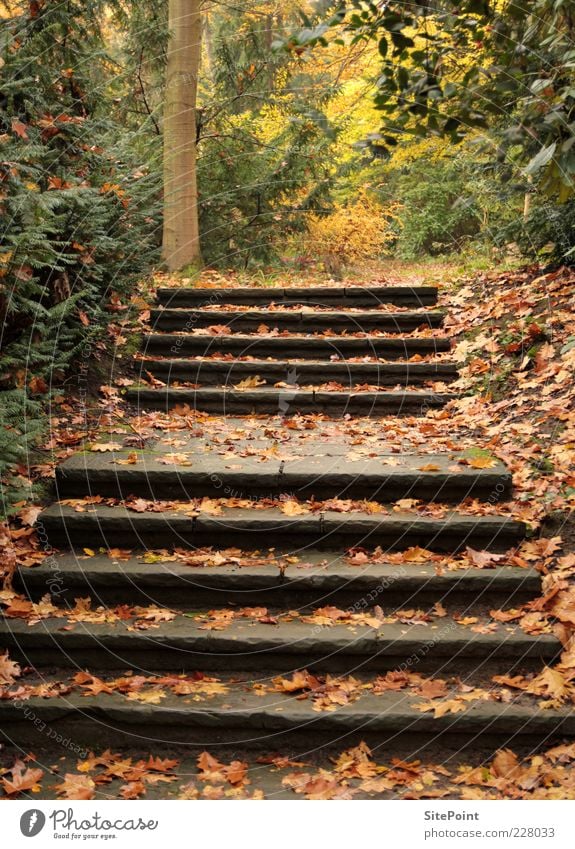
{"x":527,"y":201}
{"x":181,"y":238}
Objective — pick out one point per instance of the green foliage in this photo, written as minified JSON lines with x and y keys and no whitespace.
{"x":439,"y":210}
{"x":265,"y":144}
{"x":459,"y":65}
{"x":251,"y":190}
{"x":548,"y":233}
{"x":78,"y":211}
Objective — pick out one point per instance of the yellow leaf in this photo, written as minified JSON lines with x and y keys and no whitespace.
{"x":250,"y":382}
{"x":130,"y":460}
{"x":441,"y":708}
{"x":293,"y":508}
{"x":482,"y":462}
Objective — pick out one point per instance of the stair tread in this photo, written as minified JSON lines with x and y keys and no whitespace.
{"x":443,"y":638}
{"x":391,"y":711}
{"x":319,"y":569}
{"x":270,"y":516}
{"x":304,"y":463}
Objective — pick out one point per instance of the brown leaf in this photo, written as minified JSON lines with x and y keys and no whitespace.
{"x":442,"y":708}
{"x":432,"y":688}
{"x":38,"y":386}
{"x":132,"y":790}
{"x":29,"y":515}
{"x":130,"y":460}
{"x":19,"y":128}
{"x":22,"y":779}
{"x":506,"y":765}
{"x":300,"y":680}
{"x":76,"y":786}
{"x":9,"y":670}
{"x":484,"y":559}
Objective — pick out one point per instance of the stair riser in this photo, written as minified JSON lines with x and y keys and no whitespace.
{"x":184,"y":484}
{"x":96,"y":730}
{"x":348,"y":374}
{"x":174,"y":320}
{"x":403,"y":296}
{"x":91,"y":734}
{"x":193,"y":598}
{"x":108,"y":654}
{"x":173,"y":345}
{"x":226,"y":402}
{"x":86,"y":530}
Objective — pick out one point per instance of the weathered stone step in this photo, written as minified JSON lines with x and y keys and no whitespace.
{"x":387,"y":720}
{"x":182,"y":644}
{"x":296,"y":321}
{"x":160,"y":474}
{"x":342,"y":296}
{"x":302,"y":347}
{"x":247,"y":528}
{"x":224,"y":401}
{"x":350,"y":374}
{"x":318,"y":579}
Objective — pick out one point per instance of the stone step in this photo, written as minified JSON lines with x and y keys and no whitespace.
{"x":296,"y":321}
{"x":229,"y":372}
{"x":224,"y":401}
{"x":340,"y":296}
{"x":318,"y":579}
{"x":390,"y":721}
{"x":302,"y":347}
{"x":443,"y":646}
{"x":252,"y":528}
{"x":160,"y":474}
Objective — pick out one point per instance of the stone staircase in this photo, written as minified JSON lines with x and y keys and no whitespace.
{"x":311,"y":344}
{"x":329,"y":352}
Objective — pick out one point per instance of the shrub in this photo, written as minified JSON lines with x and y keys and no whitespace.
{"x":353,"y":233}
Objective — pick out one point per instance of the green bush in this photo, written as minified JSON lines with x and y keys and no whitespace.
{"x":548,"y":233}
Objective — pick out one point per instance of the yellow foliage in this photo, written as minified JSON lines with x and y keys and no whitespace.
{"x":354,"y":233}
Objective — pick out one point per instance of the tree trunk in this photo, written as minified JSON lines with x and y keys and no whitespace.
{"x":181,"y":238}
